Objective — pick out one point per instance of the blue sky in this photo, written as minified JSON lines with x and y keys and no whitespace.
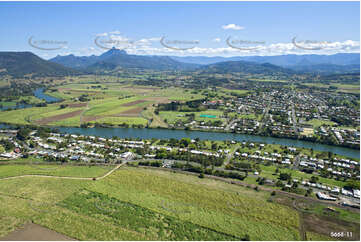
{"x":258,"y":28}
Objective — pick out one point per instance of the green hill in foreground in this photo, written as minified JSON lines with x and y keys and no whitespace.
{"x":146,"y":204}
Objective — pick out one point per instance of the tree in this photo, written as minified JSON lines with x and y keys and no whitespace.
{"x":314,"y":179}
{"x":353,"y":184}
{"x":185,"y":141}
{"x":23,"y":133}
{"x":285,"y":176}
{"x":279,"y":183}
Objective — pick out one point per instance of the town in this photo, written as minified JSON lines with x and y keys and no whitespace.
{"x":307,"y":114}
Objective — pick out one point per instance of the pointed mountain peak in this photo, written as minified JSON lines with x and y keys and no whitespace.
{"x":113,"y":51}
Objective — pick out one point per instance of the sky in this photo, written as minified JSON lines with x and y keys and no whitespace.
{"x":180,"y":28}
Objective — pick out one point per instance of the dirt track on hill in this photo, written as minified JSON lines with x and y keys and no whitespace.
{"x":134,"y":112}
{"x":66,"y":177}
{"x":77,"y":105}
{"x":58,"y":117}
{"x":133,"y":103}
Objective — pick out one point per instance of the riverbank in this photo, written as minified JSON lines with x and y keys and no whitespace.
{"x":39,"y":94}
{"x":202,"y":135}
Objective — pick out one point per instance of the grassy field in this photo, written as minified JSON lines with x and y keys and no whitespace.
{"x":317,"y":123}
{"x":140,"y":204}
{"x":4,"y":83}
{"x":347,"y":88}
{"x":172,"y":116}
{"x":23,"y":116}
{"x":147,"y":204}
{"x":109,"y":106}
{"x":250,"y":116}
{"x":121,"y":120}
{"x":156,"y":121}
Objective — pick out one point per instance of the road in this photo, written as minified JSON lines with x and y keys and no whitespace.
{"x":294,"y":118}
{"x":296,"y":162}
{"x":231,"y":123}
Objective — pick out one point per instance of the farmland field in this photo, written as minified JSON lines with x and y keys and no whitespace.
{"x":107,"y":103}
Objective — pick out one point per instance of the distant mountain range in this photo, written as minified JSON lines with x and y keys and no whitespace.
{"x":19,"y":64}
{"x":115,"y":58}
{"x":246,"y":68}
{"x":323,"y":64}
{"x":279,"y":60}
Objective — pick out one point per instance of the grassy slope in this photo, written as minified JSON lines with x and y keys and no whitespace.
{"x":216,"y":205}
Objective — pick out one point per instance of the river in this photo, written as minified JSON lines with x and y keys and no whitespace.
{"x":204,"y":135}
{"x":39,"y":93}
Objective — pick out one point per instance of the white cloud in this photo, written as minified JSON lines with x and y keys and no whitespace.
{"x":147,"y":41}
{"x":102,"y":34}
{"x":232,"y":26}
{"x":115,"y":32}
{"x":151,"y":46}
{"x":216,"y":40}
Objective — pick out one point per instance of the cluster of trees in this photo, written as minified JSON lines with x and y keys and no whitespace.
{"x":6,"y":144}
{"x":17,"y":90}
{"x":84,"y":98}
{"x":187,"y":156}
{"x":243,"y":166}
{"x":209,"y":171}
{"x":189,"y":106}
